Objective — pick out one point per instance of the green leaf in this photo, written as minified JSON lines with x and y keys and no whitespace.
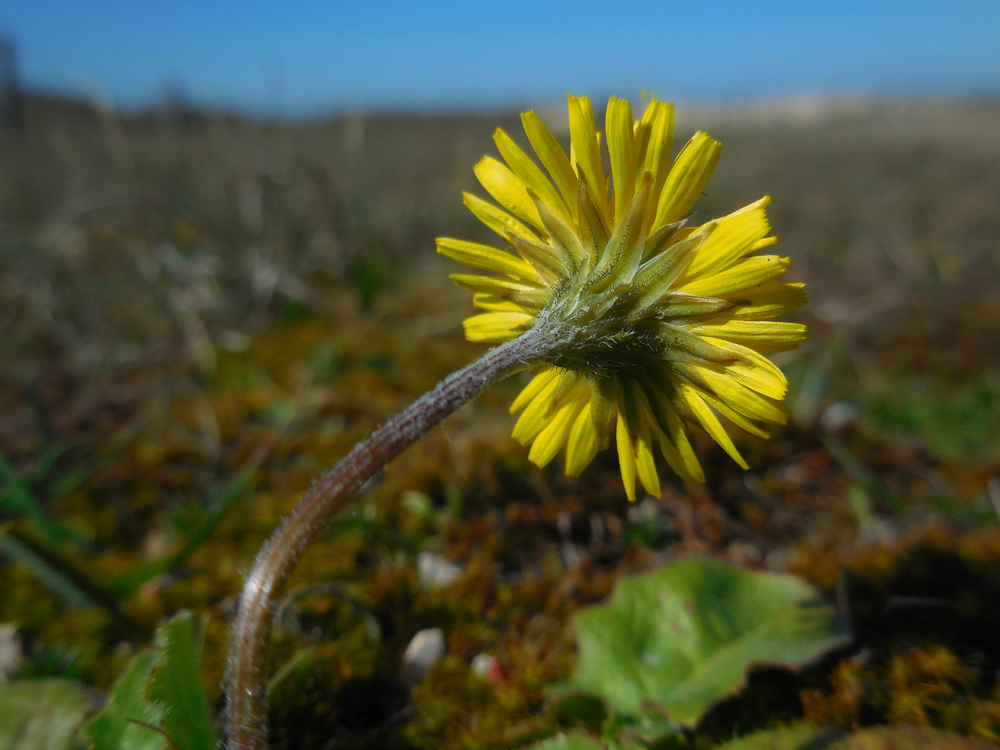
{"x":41,"y":714}
{"x":176,"y":685}
{"x":684,"y":636}
{"x":585,"y":708}
{"x":115,"y":727}
{"x":160,"y":696}
{"x":627,"y":730}
{"x":803,"y":737}
{"x":573,"y":741}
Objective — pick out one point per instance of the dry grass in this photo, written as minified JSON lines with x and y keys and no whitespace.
{"x":177,"y":292}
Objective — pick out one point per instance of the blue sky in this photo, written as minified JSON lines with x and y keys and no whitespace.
{"x":313,"y":57}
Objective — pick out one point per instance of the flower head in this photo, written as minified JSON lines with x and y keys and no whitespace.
{"x":657,"y":325}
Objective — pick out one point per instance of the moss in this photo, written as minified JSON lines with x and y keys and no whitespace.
{"x":928,"y":686}
{"x":337,"y":699}
{"x":533,"y":546}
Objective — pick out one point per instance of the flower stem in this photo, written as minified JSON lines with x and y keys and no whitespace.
{"x":247,"y":669}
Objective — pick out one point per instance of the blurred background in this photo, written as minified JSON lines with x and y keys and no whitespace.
{"x":246,"y":148}
{"x":172,"y":176}
{"x":217,"y":272}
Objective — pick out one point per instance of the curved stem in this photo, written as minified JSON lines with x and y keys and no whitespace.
{"x":246,"y":669}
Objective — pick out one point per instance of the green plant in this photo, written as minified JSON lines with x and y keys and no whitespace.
{"x":159,"y":699}
{"x":677,"y":640}
{"x":638,"y":325}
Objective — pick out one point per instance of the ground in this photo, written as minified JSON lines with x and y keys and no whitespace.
{"x":200,"y":315}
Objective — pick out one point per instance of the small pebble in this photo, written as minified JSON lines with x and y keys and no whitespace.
{"x":11,"y":656}
{"x":434,"y":570}
{"x":424,"y":650}
{"x":488,"y":667}
{"x":839,"y":416}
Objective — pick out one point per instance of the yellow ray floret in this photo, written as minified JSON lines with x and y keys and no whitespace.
{"x":583,"y":442}
{"x":496,"y":327}
{"x":661,"y":326}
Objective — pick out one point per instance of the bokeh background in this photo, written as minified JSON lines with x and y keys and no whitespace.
{"x":217,"y":273}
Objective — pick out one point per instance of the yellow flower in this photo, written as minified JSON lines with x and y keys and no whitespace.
{"x":654,"y":325}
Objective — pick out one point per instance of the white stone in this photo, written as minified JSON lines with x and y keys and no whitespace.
{"x":434,"y":570}
{"x":11,"y":656}
{"x":487,"y":667}
{"x":424,"y":650}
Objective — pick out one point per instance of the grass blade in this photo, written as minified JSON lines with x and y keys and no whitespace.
{"x":66,"y":580}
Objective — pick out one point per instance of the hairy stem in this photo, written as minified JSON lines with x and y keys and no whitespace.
{"x":247,"y":670}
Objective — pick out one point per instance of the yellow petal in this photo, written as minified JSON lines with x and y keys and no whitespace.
{"x":538,"y":383}
{"x":742,"y":275}
{"x":487,"y":258}
{"x":509,"y":191}
{"x":586,"y":149}
{"x":640,"y":134}
{"x":496,"y":327}
{"x":675,"y":443}
{"x":768,"y":300}
{"x":765,"y":242}
{"x":655,"y":153}
{"x":551,"y":440}
{"x":562,"y":237}
{"x":497,"y":219}
{"x":683,"y":462}
{"x":735,"y":394}
{"x":753,"y":332}
{"x":710,"y":422}
{"x":753,"y":370}
{"x":529,"y":173}
{"x":644,"y":463}
{"x":734,"y":237}
{"x":687,"y":179}
{"x":618,"y":126}
{"x":734,"y":416}
{"x":534,"y":418}
{"x":517,"y":291}
{"x":602,"y":412}
{"x":583,"y":443}
{"x":552,"y":156}
{"x":491,"y":303}
{"x":626,"y":459}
